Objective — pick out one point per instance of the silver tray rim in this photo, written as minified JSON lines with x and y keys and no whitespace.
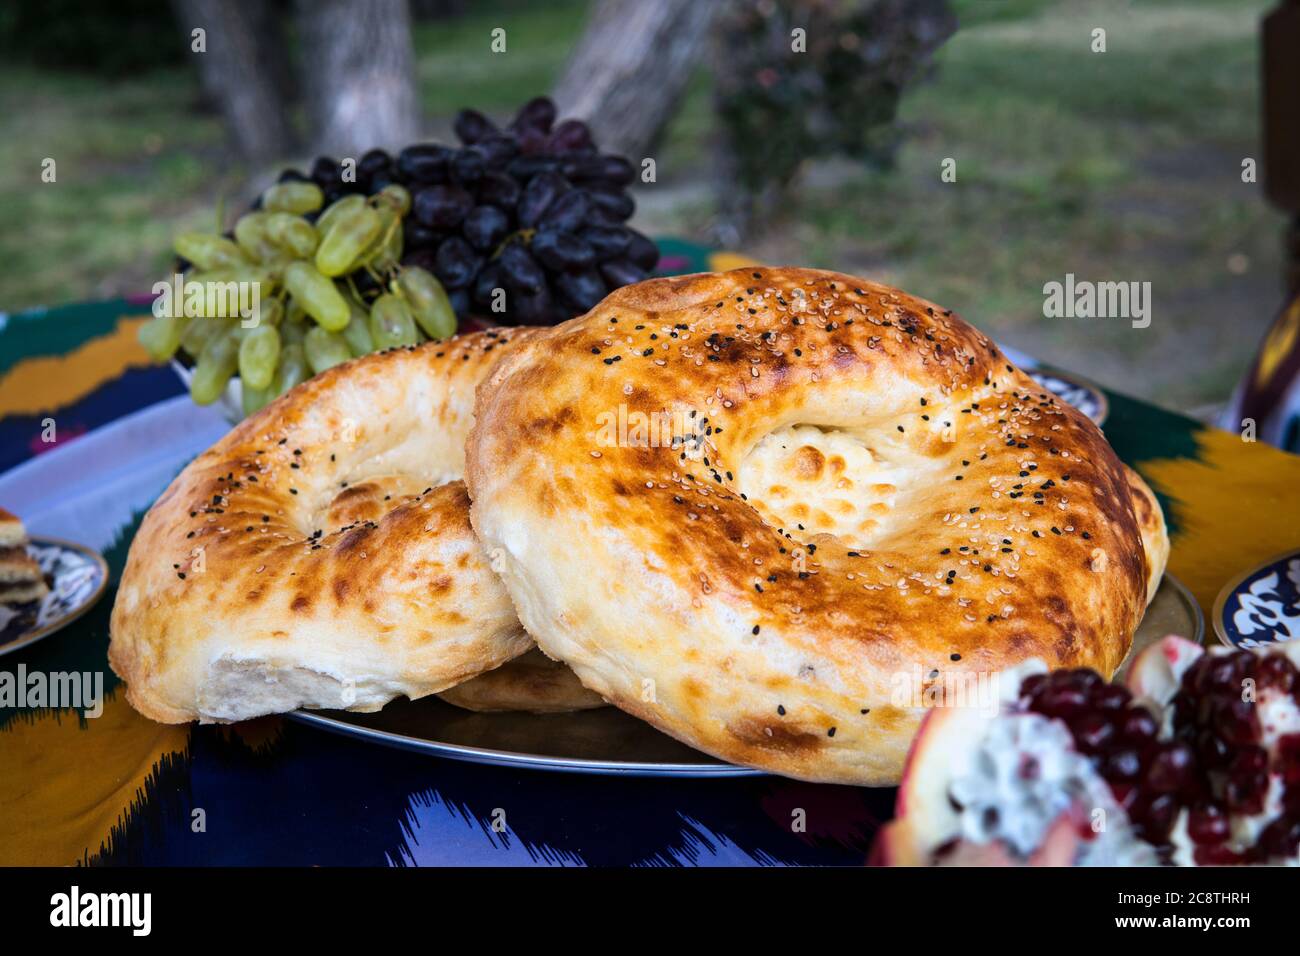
{"x":510,"y":758}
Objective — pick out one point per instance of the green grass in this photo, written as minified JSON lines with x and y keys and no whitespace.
{"x":457,"y":66}
{"x":133,"y":162}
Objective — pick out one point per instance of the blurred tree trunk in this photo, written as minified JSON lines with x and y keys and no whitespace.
{"x":628,"y":72}
{"x":242,"y":70}
{"x":358,"y":74}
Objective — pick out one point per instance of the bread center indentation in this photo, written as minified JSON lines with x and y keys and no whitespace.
{"x":809,"y":480}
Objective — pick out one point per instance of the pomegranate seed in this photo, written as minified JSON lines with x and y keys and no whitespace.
{"x":1063,"y":702}
{"x":1288,"y":758}
{"x":1122,"y":765}
{"x":1291,"y":801}
{"x":1139,"y":725}
{"x":1207,"y":824}
{"x":1126,"y":795}
{"x":1192,"y":677}
{"x":1032,"y":685}
{"x":1171,"y":769}
{"x":1243,"y":665}
{"x":1245,"y":793}
{"x":1196,"y":789}
{"x":1281,"y":838}
{"x":1237,"y":722}
{"x":1212,"y":749}
{"x":1092,"y":732}
{"x":1249,"y":760}
{"x":1276,"y":672}
{"x":1153,"y":817}
{"x":1078,"y":678}
{"x":1111,"y":697}
{"x":1218,"y":856}
{"x":1184,"y":710}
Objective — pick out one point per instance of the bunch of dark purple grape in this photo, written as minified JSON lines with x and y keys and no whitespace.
{"x":522,"y":225}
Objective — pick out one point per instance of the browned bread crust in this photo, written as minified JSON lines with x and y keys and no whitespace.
{"x":879,"y":503}
{"x":320,"y":555}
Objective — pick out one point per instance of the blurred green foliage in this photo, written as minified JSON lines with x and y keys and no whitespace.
{"x":800,"y":79}
{"x":90,"y":36}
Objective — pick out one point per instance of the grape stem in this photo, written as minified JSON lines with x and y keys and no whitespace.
{"x":380,"y":246}
{"x":525,"y":234}
{"x":353,"y":286}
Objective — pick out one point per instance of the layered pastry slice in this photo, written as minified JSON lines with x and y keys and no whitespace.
{"x":20,"y":576}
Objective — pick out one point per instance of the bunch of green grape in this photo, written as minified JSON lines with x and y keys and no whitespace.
{"x":311,"y":315}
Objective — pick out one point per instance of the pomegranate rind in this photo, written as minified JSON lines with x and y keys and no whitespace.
{"x":923,"y":818}
{"x":1157,"y":670}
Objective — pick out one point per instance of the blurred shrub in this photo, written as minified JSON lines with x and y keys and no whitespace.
{"x":780,"y":104}
{"x":107,"y":39}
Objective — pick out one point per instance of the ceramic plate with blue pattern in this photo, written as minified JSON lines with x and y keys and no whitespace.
{"x":1262,"y":606}
{"x":76,"y":576}
{"x":1073,"y":390}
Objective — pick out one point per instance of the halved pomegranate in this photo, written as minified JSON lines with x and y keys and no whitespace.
{"x":1195,"y":760}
